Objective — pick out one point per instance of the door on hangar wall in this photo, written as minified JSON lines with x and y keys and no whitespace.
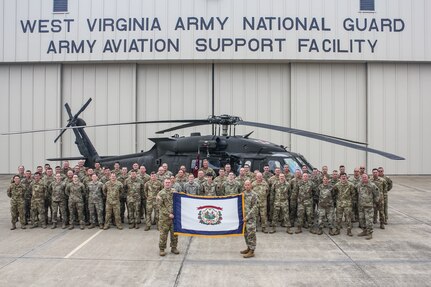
{"x":329,"y":99}
{"x":112,"y":88}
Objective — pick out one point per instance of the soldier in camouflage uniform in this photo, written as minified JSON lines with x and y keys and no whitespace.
{"x":272,"y":181}
{"x":250,"y":219}
{"x":117,"y":169}
{"x":389,"y":185}
{"x":151,"y":189}
{"x":98,"y":169}
{"x":231,"y":186}
{"x":181,"y":179}
{"x":293,"y":201}
{"x":16,"y":192}
{"x":261,"y":188}
{"x":379,"y":208}
{"x":219,"y":181}
{"x":209,"y":188}
{"x":112,"y":190}
{"x":191,"y":187}
{"x":248,"y":174}
{"x":95,"y":202}
{"x":38,"y":194}
{"x":26,"y":182}
{"x":57,"y":190}
{"x":241,"y":178}
{"x":325,"y":208}
{"x":167,"y":172}
{"x":267,"y":174}
{"x":355,"y":179}
{"x":344,"y":192}
{"x":368,"y":195}
{"x":144,"y":177}
{"x":75,"y":191}
{"x":175,"y":185}
{"x":166,"y":225}
{"x":123,"y":196}
{"x":304,"y":192}
{"x":135,"y":188}
{"x":48,"y":179}
{"x":200,"y":179}
{"x":206,"y":169}
{"x":281,"y":202}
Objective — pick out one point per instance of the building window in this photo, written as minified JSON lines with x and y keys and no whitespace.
{"x":60,"y":6}
{"x":367,"y":5}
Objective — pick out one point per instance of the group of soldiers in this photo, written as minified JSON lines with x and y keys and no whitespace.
{"x":89,"y":197}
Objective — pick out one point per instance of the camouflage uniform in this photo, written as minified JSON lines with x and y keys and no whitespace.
{"x":325,"y":208}
{"x":181,"y":181}
{"x":38,"y":191}
{"x":219,"y":181}
{"x":208,"y":170}
{"x":240,"y":180}
{"x":293,"y":202}
{"x":262,"y":190}
{"x":123,"y":197}
{"x":16,"y":192}
{"x":95,"y":203}
{"x":48,"y":180}
{"x":389,"y":185}
{"x":250,"y":208}
{"x":379,"y":208}
{"x":230,"y":188}
{"x":75,"y":192}
{"x":26,"y":182}
{"x":166,"y":225}
{"x":355,"y":211}
{"x":135,"y":189}
{"x":112,"y":193}
{"x":267,"y":175}
{"x":270,"y":200}
{"x":144,"y":179}
{"x":57,"y":191}
{"x":344,"y":193}
{"x":304,"y":192}
{"x":191,"y":188}
{"x":152,"y":188}
{"x":209,"y":189}
{"x":200,"y":181}
{"x":368,"y":195}
{"x":281,"y":202}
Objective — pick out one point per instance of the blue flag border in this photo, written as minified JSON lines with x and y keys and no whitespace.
{"x":178,"y":230}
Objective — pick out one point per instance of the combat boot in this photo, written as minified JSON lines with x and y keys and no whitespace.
{"x":101,"y":226}
{"x":147,"y":228}
{"x":54,"y":225}
{"x":288,"y":230}
{"x":13,"y":226}
{"x":382,"y":225}
{"x":106,"y":227}
{"x":137,"y":226}
{"x":82,"y":226}
{"x":162,"y":252}
{"x":320,"y":231}
{"x":349,"y":232}
{"x":272,"y":230}
{"x":264,"y":230}
{"x":298,"y":230}
{"x":91,"y":226}
{"x":245,"y":251}
{"x":71,"y":227}
{"x":44,"y":226}
{"x":174,"y":250}
{"x":120,"y":227}
{"x":63,"y":226}
{"x":23,"y":227}
{"x":33,"y":226}
{"x":336,"y":232}
{"x":369,"y":236}
{"x":312,"y":231}
{"x":249,"y":254}
{"x":331,"y":231}
{"x":131,"y":226}
{"x":363,"y":233}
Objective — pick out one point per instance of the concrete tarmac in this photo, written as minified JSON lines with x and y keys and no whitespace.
{"x":400,"y":255}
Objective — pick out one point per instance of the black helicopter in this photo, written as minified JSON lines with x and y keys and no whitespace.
{"x":221,"y":148}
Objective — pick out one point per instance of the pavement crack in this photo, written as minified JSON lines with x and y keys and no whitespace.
{"x":177,"y":279}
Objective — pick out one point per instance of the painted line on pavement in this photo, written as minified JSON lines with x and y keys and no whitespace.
{"x":82,"y":244}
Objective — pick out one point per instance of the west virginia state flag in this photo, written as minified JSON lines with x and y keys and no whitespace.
{"x":208,"y":216}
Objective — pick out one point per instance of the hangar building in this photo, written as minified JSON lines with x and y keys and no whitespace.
{"x":357,"y":69}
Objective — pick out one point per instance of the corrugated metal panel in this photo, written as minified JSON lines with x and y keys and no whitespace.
{"x":329,"y":99}
{"x":258,"y":93}
{"x":30,"y":100}
{"x":399,"y":103}
{"x":171,"y":92}
{"x":112,"y":88}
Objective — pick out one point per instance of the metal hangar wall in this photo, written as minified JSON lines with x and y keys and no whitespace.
{"x":323,"y":66}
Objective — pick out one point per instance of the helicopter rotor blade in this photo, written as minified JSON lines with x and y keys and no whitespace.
{"x":189,"y":125}
{"x":321,"y":137}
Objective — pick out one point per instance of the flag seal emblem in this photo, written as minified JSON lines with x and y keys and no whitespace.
{"x":210,"y":215}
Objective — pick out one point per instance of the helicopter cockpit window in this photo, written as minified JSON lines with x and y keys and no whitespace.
{"x":212,"y":163}
{"x":293,"y":165}
{"x":273,"y":164}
